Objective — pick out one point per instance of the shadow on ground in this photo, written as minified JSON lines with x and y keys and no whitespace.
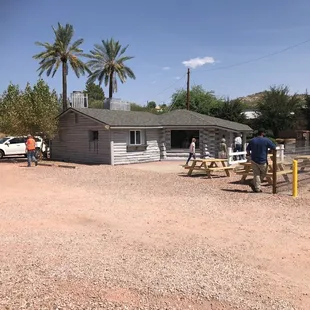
{"x":202,"y":175}
{"x":236,"y":190}
{"x":13,"y":160}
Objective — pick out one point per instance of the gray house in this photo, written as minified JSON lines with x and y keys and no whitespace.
{"x":116,"y":137}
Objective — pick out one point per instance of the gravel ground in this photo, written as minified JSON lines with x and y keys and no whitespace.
{"x":100,"y":237}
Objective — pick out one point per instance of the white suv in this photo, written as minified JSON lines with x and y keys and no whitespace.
{"x":16,"y":146}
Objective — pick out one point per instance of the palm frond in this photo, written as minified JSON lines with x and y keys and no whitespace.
{"x":124,"y":50}
{"x":107,"y":58}
{"x":130,"y":73}
{"x":46,"y":65}
{"x":57,"y":65}
{"x":123,"y":59}
{"x":61,"y":51}
{"x":75,"y":45}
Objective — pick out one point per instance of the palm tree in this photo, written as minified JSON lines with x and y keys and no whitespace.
{"x":62,"y":52}
{"x":108,"y":61}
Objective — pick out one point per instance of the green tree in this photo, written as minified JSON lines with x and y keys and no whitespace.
{"x":62,"y":52}
{"x":137,"y":107}
{"x":231,"y":110}
{"x":94,"y":91}
{"x":33,"y":110}
{"x":201,"y":101}
{"x":151,"y":105}
{"x":107,"y":62}
{"x":277,"y":109}
{"x":9,"y":107}
{"x":307,"y":109}
{"x":95,"y":95}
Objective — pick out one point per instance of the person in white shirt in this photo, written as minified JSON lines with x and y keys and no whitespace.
{"x":192,"y":149}
{"x":238,"y":144}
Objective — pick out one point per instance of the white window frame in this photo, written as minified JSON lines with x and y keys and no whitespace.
{"x":135,"y":131}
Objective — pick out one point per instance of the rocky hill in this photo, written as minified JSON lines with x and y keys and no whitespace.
{"x":251,"y":100}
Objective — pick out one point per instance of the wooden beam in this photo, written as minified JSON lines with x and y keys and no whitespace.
{"x":274,"y":171}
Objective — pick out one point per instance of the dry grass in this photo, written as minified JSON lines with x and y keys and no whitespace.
{"x":99,"y":237}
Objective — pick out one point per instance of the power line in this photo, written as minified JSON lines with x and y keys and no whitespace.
{"x":172,"y":103}
{"x":259,"y":58}
{"x":177,"y":81}
{"x":237,"y":64}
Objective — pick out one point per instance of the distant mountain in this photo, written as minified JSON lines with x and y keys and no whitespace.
{"x":251,"y":100}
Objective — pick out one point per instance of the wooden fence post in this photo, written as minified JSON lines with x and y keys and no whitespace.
{"x":229,"y":156}
{"x":281,"y":152}
{"x":274,"y":171}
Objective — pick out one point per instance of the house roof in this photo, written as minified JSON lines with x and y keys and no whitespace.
{"x":116,"y":118}
{"x":175,"y":118}
{"x":190,"y":118}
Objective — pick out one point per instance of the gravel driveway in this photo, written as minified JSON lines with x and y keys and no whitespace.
{"x":100,"y":237}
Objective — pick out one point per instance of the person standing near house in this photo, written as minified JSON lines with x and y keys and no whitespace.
{"x":223,"y":149}
{"x":192,"y":150}
{"x":31,"y":147}
{"x":258,"y":147}
{"x":238,"y":145}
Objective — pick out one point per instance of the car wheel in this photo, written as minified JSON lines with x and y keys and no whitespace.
{"x":1,"y":154}
{"x":38,"y":154}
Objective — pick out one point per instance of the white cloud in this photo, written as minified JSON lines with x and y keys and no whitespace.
{"x":197,"y":62}
{"x":153,"y":82}
{"x":177,"y":77}
{"x":166,"y":68}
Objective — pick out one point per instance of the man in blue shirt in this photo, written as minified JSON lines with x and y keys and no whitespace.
{"x":258,"y":147}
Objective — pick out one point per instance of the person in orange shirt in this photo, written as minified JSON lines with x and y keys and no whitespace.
{"x":31,"y":148}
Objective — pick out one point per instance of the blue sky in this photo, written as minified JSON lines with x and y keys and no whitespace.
{"x":164,"y":34}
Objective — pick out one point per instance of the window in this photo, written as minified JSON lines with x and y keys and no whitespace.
{"x":3,"y":140}
{"x":137,"y":141}
{"x":135,"y":137}
{"x":93,"y":136}
{"x":16,"y":140}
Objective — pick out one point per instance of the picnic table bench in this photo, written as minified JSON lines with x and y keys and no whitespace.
{"x":209,"y":165}
{"x":281,"y":170}
{"x":303,"y":161}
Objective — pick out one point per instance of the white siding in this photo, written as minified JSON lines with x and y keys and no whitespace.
{"x":73,"y":141}
{"x":120,"y":139}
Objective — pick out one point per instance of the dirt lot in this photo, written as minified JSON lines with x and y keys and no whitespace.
{"x":146,"y":237}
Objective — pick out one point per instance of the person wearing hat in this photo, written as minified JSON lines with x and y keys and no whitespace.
{"x":257,"y":149}
{"x":31,"y":148}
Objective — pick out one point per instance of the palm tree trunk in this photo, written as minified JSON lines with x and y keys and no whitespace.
{"x":111,"y":85}
{"x":64,"y":86}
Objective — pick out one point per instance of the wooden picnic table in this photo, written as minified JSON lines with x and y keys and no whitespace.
{"x":303,"y":161}
{"x":209,"y":165}
{"x":248,"y":171}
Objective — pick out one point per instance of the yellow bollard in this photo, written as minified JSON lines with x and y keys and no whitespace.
{"x":295,"y":178}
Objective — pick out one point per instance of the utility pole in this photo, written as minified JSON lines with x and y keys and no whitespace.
{"x":187,"y":93}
